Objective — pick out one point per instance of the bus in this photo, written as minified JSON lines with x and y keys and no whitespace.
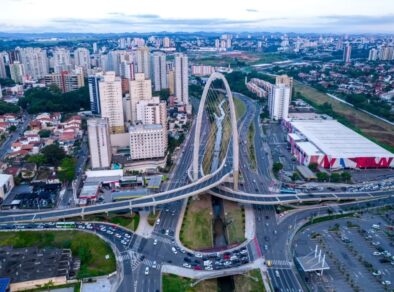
{"x":288,"y":191}
{"x":65,"y":225}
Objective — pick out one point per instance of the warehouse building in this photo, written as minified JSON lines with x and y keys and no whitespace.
{"x":332,"y":145}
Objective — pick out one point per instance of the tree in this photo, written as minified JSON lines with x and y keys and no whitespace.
{"x":335,"y":177}
{"x":53,"y":154}
{"x":313,"y":167}
{"x":38,"y":159}
{"x":277,"y":167}
{"x":322,"y":176}
{"x":346,"y":177}
{"x":295,"y":176}
{"x":12,"y":128}
{"x":7,"y":107}
{"x":44,"y":133}
{"x":66,"y":171}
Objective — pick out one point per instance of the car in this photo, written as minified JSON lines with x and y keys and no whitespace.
{"x":187,"y":260}
{"x":147,"y":271}
{"x":174,"y":250}
{"x":154,"y":265}
{"x":158,"y":221}
{"x":265,"y":247}
{"x":377,"y":273}
{"x":155,"y":242}
{"x":208,"y":268}
{"x":186,"y":265}
{"x":375,"y":243}
{"x":198,"y":255}
{"x":198,"y":268}
{"x":277,"y":274}
{"x":386,"y":283}
{"x":376,"y":253}
{"x":167,"y":232}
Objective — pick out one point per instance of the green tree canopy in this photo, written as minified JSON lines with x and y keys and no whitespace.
{"x":67,"y":169}
{"x":53,"y":154}
{"x":38,"y":159}
{"x":277,"y":167}
{"x":6,"y":108}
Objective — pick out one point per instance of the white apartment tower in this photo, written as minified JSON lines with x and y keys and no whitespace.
{"x":143,"y":61}
{"x":278,"y":101}
{"x":147,"y":142}
{"x":82,"y":58}
{"x":111,"y":105}
{"x":2,"y":65}
{"x":181,"y":78}
{"x":99,"y":143}
{"x":61,"y":60}
{"x":140,"y":89}
{"x":17,"y":71}
{"x":35,"y":62}
{"x":159,"y":71}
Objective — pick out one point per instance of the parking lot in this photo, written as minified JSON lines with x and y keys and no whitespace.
{"x":359,"y":252}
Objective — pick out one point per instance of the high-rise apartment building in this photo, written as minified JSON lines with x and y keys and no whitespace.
{"x":127,"y":70}
{"x":171,"y":81}
{"x":111,"y":105}
{"x":152,"y":111}
{"x":147,"y":142}
{"x":61,"y":60}
{"x":17,"y":71}
{"x":82,"y":58}
{"x":166,"y":42}
{"x":278,"y":101}
{"x":99,"y":143}
{"x":286,"y":80}
{"x":159,"y":71}
{"x":373,"y":55}
{"x":181,"y":78}
{"x":347,"y":52}
{"x":94,"y":92}
{"x":66,"y":81}
{"x":140,"y":89}
{"x":35,"y":62}
{"x":143,"y":61}
{"x":3,"y":73}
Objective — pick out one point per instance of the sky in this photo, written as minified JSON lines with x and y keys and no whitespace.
{"x":117,"y":16}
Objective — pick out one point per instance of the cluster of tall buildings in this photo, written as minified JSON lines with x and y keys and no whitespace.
{"x":138,"y":117}
{"x":278,"y":94}
{"x":384,"y":53}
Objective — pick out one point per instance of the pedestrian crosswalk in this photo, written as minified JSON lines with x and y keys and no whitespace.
{"x":135,"y":260}
{"x":281,"y":263}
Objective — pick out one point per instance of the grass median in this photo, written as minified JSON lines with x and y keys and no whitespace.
{"x":172,"y":283}
{"x":234,"y":215}
{"x":91,"y":250}
{"x":251,"y":282}
{"x":196,"y":232}
{"x":240,"y":108}
{"x":251,"y":150}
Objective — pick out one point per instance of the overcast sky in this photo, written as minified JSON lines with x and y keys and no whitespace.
{"x":342,"y":16}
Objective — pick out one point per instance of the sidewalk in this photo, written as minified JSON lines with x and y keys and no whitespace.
{"x":250,"y":226}
{"x":144,"y":229}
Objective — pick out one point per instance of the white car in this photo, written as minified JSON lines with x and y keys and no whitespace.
{"x":209,"y":268}
{"x":154,"y":265}
{"x":147,"y":271}
{"x":186,"y":265}
{"x":386,"y":283}
{"x":376,"y":253}
{"x":198,"y":255}
{"x":174,"y":250}
{"x":158,"y":221}
{"x":155,"y":242}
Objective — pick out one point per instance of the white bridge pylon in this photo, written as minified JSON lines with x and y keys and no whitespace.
{"x":197,"y":135}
